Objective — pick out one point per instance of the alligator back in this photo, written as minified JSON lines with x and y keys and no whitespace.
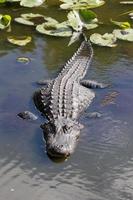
{"x":60,"y":96}
{"x":77,"y":65}
{"x":63,"y":89}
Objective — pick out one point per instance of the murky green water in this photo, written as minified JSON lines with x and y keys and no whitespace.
{"x":102,"y":166}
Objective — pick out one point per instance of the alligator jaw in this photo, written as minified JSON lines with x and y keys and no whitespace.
{"x":54,"y":154}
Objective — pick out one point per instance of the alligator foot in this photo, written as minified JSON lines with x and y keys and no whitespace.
{"x":27,"y":115}
{"x":93,"y":115}
{"x":43,"y":82}
{"x":93,"y":84}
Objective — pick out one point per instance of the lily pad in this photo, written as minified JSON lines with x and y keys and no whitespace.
{"x":2,"y":1}
{"x":107,"y":39}
{"x":80,"y":4}
{"x":5,"y":21}
{"x":77,"y":24}
{"x":12,"y":0}
{"x":123,"y":25}
{"x":59,"y":30}
{"x":74,"y":38}
{"x":31,"y":3}
{"x":20,"y":40}
{"x":87,"y":15}
{"x":74,"y":20}
{"x":126,"y":2}
{"x":131,"y":15}
{"x":124,"y":34}
{"x":23,"y":60}
{"x":90,"y":26}
{"x":26,"y":3}
{"x":53,"y":22}
{"x":24,"y":21}
{"x":31,"y":19}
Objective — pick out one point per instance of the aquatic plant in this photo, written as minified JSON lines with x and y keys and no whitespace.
{"x":25,"y":3}
{"x":79,"y":19}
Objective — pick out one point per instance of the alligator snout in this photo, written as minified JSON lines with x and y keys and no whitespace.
{"x":61,"y":140}
{"x":58,"y":152}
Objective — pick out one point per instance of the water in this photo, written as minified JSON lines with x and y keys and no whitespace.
{"x":102,"y":166}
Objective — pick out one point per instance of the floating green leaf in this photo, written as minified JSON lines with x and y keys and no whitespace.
{"x":87,"y":15}
{"x":19,"y":40}
{"x":2,"y":1}
{"x":25,"y":3}
{"x":81,"y":4}
{"x":5,"y":21}
{"x":59,"y":30}
{"x":12,"y":1}
{"x":107,"y":39}
{"x":77,"y":24}
{"x":74,"y":20}
{"x":90,"y":26}
{"x":31,"y":19}
{"x":123,"y":25}
{"x":131,"y":15}
{"x":24,"y":21}
{"x":23,"y":60}
{"x":53,"y":22}
{"x":126,"y":2}
{"x":74,"y":38}
{"x":31,"y":3}
{"x":124,"y":34}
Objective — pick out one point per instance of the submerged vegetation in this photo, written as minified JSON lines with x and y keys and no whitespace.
{"x":79,"y":19}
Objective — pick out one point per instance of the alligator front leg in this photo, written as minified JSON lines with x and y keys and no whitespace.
{"x":93,"y":115}
{"x":93,"y":84}
{"x":27,"y":115}
{"x":44,"y":82}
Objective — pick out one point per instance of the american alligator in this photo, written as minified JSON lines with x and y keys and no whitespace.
{"x":63,"y":100}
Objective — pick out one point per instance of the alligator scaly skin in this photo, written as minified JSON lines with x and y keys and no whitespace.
{"x":63,"y":100}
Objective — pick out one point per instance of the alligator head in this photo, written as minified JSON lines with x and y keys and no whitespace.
{"x":61,"y":137}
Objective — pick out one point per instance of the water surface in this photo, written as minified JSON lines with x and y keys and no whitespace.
{"x":102,"y":166}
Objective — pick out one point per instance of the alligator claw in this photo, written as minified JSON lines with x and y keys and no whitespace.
{"x":43,"y":82}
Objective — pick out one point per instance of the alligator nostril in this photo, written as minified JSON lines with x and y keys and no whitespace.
{"x":67,"y":154}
